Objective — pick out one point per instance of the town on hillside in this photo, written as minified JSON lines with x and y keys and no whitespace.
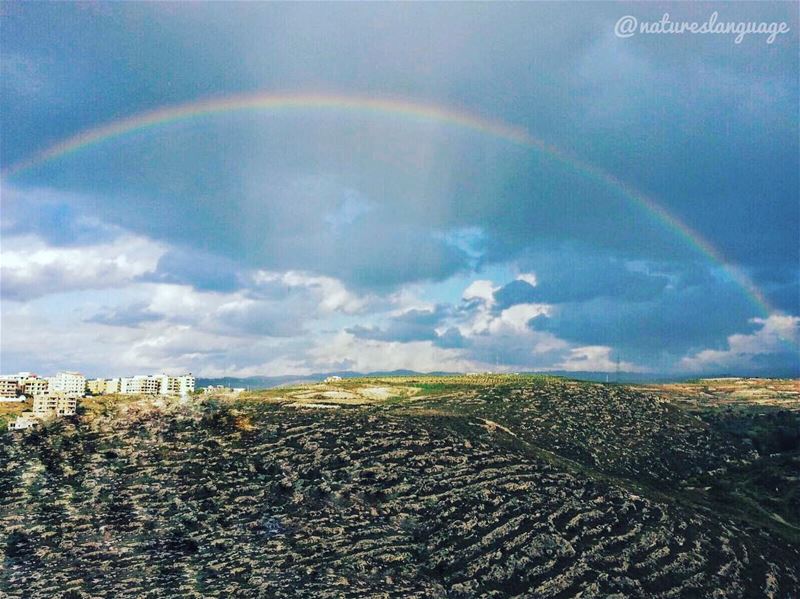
{"x":58,"y":396}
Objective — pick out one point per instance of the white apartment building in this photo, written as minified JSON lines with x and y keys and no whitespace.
{"x":113,"y":386}
{"x":69,"y":382}
{"x":162,"y":384}
{"x":177,"y":385}
{"x":56,"y":404}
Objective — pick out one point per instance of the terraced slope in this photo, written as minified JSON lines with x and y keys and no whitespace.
{"x":614,"y":429}
{"x":266,"y":500}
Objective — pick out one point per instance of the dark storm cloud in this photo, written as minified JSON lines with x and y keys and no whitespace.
{"x":202,"y":270}
{"x":413,"y":325}
{"x":560,"y":73}
{"x":567,"y":274}
{"x":672,"y":324}
{"x":516,"y":292}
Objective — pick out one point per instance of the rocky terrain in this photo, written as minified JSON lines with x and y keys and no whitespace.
{"x":487,"y":487}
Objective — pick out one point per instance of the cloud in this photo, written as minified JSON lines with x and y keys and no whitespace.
{"x":450,"y":338}
{"x":658,"y":331}
{"x":32,"y":268}
{"x":330,"y":293}
{"x":411,"y":325}
{"x":774,"y":344}
{"x":348,"y":352}
{"x":594,"y":358}
{"x":202,"y":270}
{"x":570,"y":273}
{"x":481,"y":290}
{"x":307,"y":223}
{"x":252,"y":317}
{"x":133,"y":315}
{"x":516,"y":292}
{"x":59,"y":218}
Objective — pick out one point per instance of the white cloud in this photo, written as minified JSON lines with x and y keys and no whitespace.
{"x":481,"y":290}
{"x":528,"y":277}
{"x":516,"y":317}
{"x":345,"y":351}
{"x":331,"y":294}
{"x":32,"y":268}
{"x":776,"y":335}
{"x":594,"y":358}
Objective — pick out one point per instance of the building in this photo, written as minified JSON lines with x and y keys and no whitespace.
{"x":20,"y":376}
{"x":220,"y":389}
{"x":17,"y":399}
{"x":177,"y":385}
{"x":333,"y":379}
{"x":217,"y":389}
{"x":23,"y":421}
{"x":141,"y":385}
{"x":69,"y":383}
{"x":13,"y":387}
{"x":96,"y":386}
{"x":103,"y":386}
{"x":54,"y":404}
{"x":9,"y":387}
{"x":34,"y":385}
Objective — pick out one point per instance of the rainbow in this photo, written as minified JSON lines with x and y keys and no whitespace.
{"x":396,"y":108}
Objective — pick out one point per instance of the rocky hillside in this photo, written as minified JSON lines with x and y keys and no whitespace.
{"x":537,"y":489}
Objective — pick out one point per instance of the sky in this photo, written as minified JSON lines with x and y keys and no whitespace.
{"x":326,"y":236}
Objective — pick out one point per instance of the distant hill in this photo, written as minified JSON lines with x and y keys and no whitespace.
{"x":268,"y":382}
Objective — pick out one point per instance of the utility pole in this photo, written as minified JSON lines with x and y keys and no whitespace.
{"x":617,"y":377}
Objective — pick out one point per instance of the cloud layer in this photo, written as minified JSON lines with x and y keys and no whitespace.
{"x":263,"y":242}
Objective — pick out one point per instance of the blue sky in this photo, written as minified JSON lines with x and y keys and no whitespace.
{"x":309,"y":241}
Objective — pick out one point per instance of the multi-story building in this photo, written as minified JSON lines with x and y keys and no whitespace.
{"x":96,"y":386}
{"x":141,"y":384}
{"x":177,"y":385}
{"x":70,"y":383}
{"x":54,"y":404}
{"x":112,"y":386}
{"x":8,"y":387}
{"x":34,"y":385}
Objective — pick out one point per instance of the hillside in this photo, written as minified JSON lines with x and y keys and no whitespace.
{"x":418,"y":486}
